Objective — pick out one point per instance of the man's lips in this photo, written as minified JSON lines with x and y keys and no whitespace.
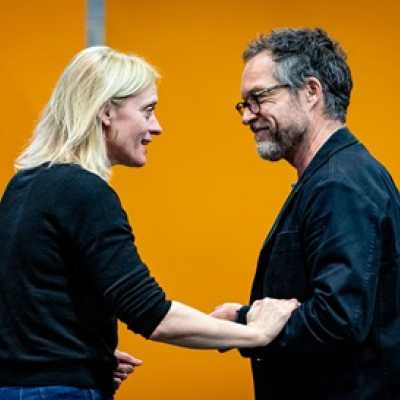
{"x":261,"y":132}
{"x":256,"y":129}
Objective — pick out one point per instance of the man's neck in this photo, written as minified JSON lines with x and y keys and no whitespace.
{"x":314,"y":139}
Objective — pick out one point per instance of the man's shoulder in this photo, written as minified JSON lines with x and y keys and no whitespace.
{"x":353,"y":166}
{"x":352,"y":174}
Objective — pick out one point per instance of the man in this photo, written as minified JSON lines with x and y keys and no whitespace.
{"x":335,"y":245}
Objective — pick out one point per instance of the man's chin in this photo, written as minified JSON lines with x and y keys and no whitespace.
{"x":269,"y":152}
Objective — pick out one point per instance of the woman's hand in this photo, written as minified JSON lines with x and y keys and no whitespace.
{"x":269,"y":316}
{"x":126,"y":365}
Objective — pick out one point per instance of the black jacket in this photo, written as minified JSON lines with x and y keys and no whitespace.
{"x":335,"y":246}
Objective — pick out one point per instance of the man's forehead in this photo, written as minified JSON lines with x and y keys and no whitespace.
{"x":257,"y":73}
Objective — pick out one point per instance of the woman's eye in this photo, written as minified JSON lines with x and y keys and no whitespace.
{"x":148,"y":112}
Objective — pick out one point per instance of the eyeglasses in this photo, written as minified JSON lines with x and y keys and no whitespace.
{"x":252,"y":102}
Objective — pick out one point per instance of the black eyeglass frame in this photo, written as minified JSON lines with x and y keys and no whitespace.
{"x":252,"y":102}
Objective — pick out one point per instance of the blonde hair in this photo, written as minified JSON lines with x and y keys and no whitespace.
{"x":70,"y":129}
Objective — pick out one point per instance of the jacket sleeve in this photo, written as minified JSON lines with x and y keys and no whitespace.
{"x":340,"y":239}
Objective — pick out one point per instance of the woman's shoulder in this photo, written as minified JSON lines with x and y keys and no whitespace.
{"x":74,"y":173}
{"x":73,"y":180}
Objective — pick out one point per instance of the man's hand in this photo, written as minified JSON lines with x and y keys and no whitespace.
{"x":126,"y":365}
{"x":227,"y":311}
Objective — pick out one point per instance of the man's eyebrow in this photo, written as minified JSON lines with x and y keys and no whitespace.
{"x":253,"y":91}
{"x":256,"y":90}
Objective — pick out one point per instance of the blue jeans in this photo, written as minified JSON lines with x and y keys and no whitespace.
{"x":50,"y":393}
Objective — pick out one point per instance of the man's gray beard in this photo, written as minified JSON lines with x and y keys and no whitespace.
{"x":285,"y":147}
{"x":270,"y":151}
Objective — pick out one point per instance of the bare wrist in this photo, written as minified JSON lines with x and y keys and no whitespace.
{"x":259,"y":337}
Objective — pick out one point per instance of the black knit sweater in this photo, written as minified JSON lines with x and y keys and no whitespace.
{"x":68,"y":269}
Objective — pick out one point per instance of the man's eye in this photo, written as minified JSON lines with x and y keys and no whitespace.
{"x":264,"y":98}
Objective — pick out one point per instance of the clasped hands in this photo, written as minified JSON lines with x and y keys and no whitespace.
{"x":269,"y":314}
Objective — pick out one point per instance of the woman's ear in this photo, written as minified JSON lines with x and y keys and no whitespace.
{"x":106,"y":114}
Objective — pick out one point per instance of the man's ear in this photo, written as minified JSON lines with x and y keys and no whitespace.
{"x":313,"y":89}
{"x":313,"y":93}
{"x":106,"y":114}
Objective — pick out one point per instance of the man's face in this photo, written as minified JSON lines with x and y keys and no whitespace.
{"x":281,"y":123}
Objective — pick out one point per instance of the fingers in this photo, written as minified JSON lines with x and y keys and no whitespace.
{"x":270,"y":316}
{"x":224,"y":350}
{"x":126,"y":365}
{"x":284,"y":303}
{"x":126,"y":358}
{"x":227,"y":311}
{"x":283,"y":308}
{"x":117,"y":383}
{"x":120,"y":375}
{"x":290,"y":304}
{"x":122,"y":372}
{"x":125,"y":368}
{"x":219,"y":313}
{"x":228,"y":305}
{"x":294,"y":303}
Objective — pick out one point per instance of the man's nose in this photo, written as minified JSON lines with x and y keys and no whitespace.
{"x":248,"y":116}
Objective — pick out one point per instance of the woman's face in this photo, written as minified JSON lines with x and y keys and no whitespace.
{"x":129,"y":128}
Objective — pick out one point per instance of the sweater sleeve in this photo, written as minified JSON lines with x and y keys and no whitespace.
{"x":105,"y":244}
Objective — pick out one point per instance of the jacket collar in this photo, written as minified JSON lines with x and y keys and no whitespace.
{"x":341,"y":139}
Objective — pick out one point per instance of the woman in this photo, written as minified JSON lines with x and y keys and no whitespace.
{"x":69,"y":265}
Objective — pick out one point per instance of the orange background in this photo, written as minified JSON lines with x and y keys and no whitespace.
{"x":201,"y":207}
